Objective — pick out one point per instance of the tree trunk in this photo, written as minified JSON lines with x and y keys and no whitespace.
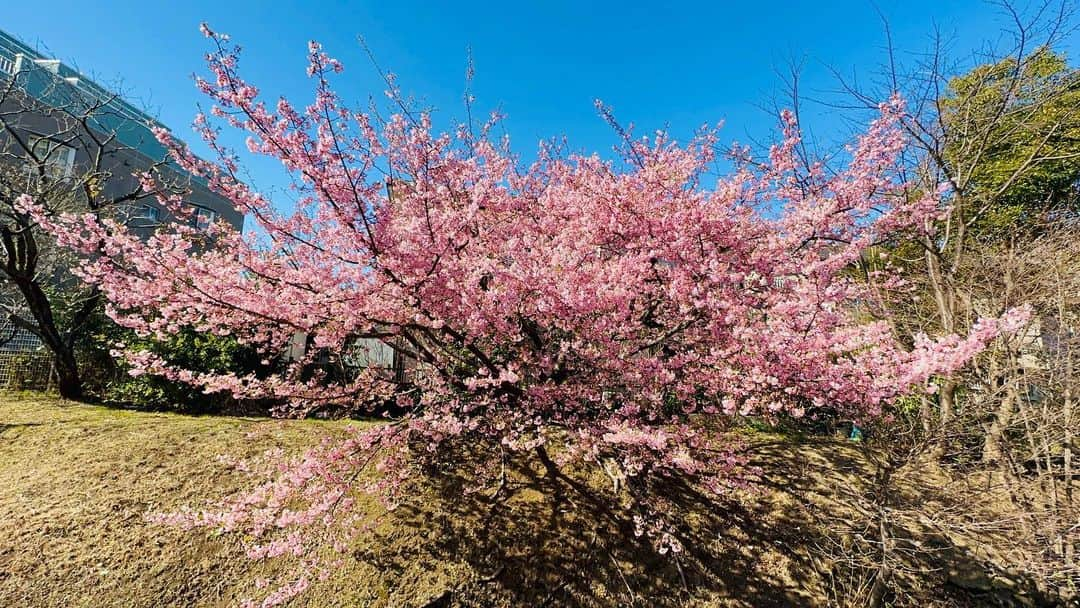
{"x":1002,"y":417}
{"x":69,"y":380}
{"x":947,"y":401}
{"x":945,"y":301}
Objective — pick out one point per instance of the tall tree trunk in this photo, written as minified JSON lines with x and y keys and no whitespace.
{"x":21,"y":268}
{"x":1002,"y":417}
{"x":69,"y":380}
{"x":1069,"y":380}
{"x":945,"y":301}
{"x":1011,"y":376}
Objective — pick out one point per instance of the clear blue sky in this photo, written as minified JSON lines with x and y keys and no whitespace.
{"x":678,"y":64}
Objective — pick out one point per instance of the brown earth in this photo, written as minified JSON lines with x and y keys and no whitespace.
{"x":77,"y":481}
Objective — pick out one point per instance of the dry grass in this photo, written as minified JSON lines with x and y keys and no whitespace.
{"x":78,"y":481}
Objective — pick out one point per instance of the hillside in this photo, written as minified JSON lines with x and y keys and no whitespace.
{"x":78,"y":481}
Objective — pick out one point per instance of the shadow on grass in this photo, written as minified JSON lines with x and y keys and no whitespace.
{"x":4,"y":428}
{"x":562,"y":541}
{"x":840,"y":484}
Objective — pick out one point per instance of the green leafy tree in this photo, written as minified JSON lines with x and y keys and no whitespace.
{"x":1011,"y":141}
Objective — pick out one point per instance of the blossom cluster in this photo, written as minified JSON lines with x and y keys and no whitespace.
{"x":608,"y":305}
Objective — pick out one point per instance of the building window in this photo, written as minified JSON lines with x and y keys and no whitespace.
{"x":203,"y":218}
{"x":149,"y":213}
{"x":57,"y":159}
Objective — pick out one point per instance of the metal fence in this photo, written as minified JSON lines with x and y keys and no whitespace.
{"x":25,"y":363}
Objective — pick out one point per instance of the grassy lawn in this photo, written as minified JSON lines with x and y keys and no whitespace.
{"x":77,"y":482}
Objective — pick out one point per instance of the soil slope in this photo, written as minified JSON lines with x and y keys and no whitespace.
{"x":77,"y":481}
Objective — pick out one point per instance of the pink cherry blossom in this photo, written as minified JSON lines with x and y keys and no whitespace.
{"x":608,"y":305}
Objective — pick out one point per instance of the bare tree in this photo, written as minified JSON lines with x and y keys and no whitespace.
{"x":1022,"y":392}
{"x":1001,"y":130}
{"x":60,"y":144}
{"x":992,"y":452}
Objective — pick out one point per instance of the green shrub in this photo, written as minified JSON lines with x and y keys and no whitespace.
{"x":196,"y":351}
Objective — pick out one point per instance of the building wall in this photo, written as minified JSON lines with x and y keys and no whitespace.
{"x":38,"y":84}
{"x":31,"y":89}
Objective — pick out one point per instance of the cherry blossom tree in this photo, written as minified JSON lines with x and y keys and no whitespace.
{"x":571,"y":309}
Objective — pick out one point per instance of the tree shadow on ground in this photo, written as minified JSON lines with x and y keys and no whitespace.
{"x":563,"y":541}
{"x":930,"y":566}
{"x":5,"y":428}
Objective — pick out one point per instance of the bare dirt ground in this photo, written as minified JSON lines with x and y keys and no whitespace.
{"x":77,"y":481}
